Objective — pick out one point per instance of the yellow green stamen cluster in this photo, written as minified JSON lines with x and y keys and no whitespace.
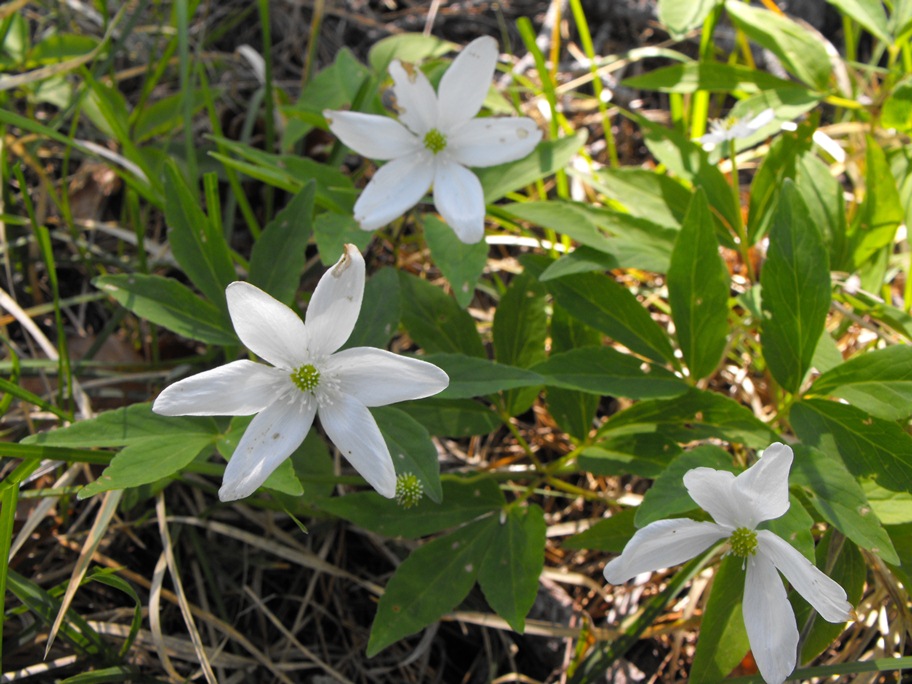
{"x":408,"y":490}
{"x":435,"y":141}
{"x":306,"y":378}
{"x":743,"y":542}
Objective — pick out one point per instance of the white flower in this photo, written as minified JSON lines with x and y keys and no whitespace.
{"x":738,"y":505}
{"x":308,"y":376}
{"x":722,"y":130}
{"x":434,"y":141}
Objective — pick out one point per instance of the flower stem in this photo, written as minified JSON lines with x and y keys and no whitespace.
{"x":740,"y":230}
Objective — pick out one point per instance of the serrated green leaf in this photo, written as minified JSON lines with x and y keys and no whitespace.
{"x":841,"y":501}
{"x":547,"y":158}
{"x":698,"y":287}
{"x":380,"y":311}
{"x":462,"y":501}
{"x":452,"y":417}
{"x":167,"y":303}
{"x":610,"y":534}
{"x":696,"y":415}
{"x":432,"y":581}
{"x":411,"y":448}
{"x":646,"y":454}
{"x":435,"y":321}
{"x":461,"y":264}
{"x":668,"y":496}
{"x":801,"y":52}
{"x":604,"y":370}
{"x":711,"y":76}
{"x":278,"y":256}
{"x":471,"y":376}
{"x":510,"y":570}
{"x":878,"y":382}
{"x":598,"y":301}
{"x":682,"y":17}
{"x":869,"y":447}
{"x":796,"y":290}
{"x":723,"y":637}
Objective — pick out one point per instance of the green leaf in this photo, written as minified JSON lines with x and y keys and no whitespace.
{"x":278,"y":256}
{"x":794,"y":527}
{"x":452,"y":417}
{"x":510,"y":570}
{"x":796,"y":291}
{"x":695,"y":416}
{"x":868,"y":13}
{"x":406,"y":47}
{"x":432,"y":581}
{"x":59,"y":47}
{"x":332,"y":231}
{"x":471,"y":376}
{"x":874,"y":225}
{"x":698,"y":287}
{"x":682,"y":17}
{"x":461,"y":264}
{"x":574,"y":411}
{"x":196,"y":243}
{"x":610,"y":534}
{"x":712,"y":76}
{"x":411,"y":447}
{"x":870,"y":447}
{"x":167,"y":303}
{"x":897,"y":108}
{"x":380,"y":311}
{"x":878,"y":382}
{"x":838,"y":497}
{"x":462,"y":501}
{"x":435,"y":321}
{"x":825,"y":200}
{"x":723,"y":638}
{"x":778,"y":164}
{"x":569,"y":218}
{"x":891,"y":508}
{"x":547,"y":158}
{"x":604,"y":370}
{"x":163,"y":116}
{"x":646,"y":454}
{"x":801,"y":51}
{"x":668,"y":496}
{"x":645,"y":194}
{"x":598,"y":301}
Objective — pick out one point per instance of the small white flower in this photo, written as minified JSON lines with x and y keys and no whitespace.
{"x":738,"y":505}
{"x":308,"y":376}
{"x":722,"y":130}
{"x":434,"y":141}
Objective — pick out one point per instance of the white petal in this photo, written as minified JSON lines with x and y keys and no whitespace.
{"x":267,"y":327}
{"x":460,"y":200}
{"x":270,"y":438}
{"x":762,"y":489}
{"x":395,"y":188}
{"x":490,"y":141}
{"x":377,"y":137}
{"x":465,"y":84}
{"x":416,"y":101}
{"x":240,"y":388}
{"x":824,"y":594}
{"x":354,"y":431}
{"x":336,"y":303}
{"x":759,"y":121}
{"x":662,"y":544}
{"x":769,"y":620}
{"x":377,"y":378}
{"x":712,"y":490}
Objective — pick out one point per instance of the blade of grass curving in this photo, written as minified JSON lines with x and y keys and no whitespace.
{"x":106,"y":577}
{"x":96,"y":534}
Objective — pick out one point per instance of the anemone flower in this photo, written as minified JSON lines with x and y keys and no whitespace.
{"x":724,"y":130}
{"x":738,"y":505}
{"x":436,"y":138}
{"x":308,"y":376}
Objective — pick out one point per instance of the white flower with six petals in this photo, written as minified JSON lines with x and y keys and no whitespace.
{"x":436,"y":138}
{"x":308,"y":376}
{"x":738,"y":504}
{"x":724,"y":130}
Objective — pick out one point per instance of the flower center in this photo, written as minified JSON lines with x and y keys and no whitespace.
{"x":435,"y":141}
{"x":743,"y":542}
{"x":306,"y":378}
{"x":408,"y":490}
